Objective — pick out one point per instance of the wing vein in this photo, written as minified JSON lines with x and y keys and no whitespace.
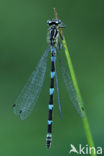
{"x":28,"y":96}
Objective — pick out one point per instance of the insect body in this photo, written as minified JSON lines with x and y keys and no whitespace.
{"x":54,"y":33}
{"x":28,"y":96}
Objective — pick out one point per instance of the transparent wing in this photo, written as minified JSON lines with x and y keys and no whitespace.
{"x":28,"y":96}
{"x":59,"y":104}
{"x":70,"y":87}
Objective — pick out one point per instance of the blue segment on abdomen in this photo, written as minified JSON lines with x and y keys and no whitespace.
{"x":53,"y":49}
{"x":50,"y":107}
{"x":51,"y":91}
{"x":52,"y":58}
{"x":49,"y":122}
{"x":52,"y":74}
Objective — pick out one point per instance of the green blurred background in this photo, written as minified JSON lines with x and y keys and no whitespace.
{"x":23,"y":32}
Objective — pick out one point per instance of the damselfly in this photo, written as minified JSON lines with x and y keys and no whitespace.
{"x":28,"y":96}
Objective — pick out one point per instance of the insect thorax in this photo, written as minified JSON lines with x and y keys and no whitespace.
{"x":53,"y":34}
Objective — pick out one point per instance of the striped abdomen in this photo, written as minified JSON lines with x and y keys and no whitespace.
{"x":49,"y":131}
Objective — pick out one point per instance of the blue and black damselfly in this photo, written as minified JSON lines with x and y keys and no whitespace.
{"x":28,"y":96}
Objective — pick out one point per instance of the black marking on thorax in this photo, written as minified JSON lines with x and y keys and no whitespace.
{"x":53,"y":35}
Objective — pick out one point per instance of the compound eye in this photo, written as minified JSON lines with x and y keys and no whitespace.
{"x":59,"y":21}
{"x":49,"y":22}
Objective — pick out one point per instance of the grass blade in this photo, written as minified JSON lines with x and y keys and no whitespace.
{"x":75,"y":84}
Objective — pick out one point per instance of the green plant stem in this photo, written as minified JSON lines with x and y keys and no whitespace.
{"x":87,"y":131}
{"x":84,"y":119}
{"x":80,"y":102}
